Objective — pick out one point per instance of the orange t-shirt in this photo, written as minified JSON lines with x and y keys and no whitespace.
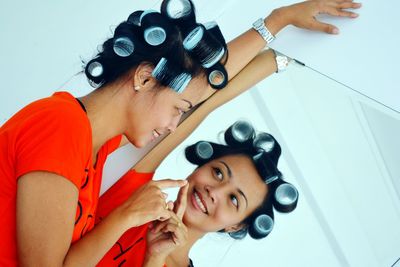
{"x":52,"y":134}
{"x":130,"y":249}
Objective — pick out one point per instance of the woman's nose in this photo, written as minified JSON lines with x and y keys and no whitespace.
{"x":210,"y":193}
{"x":217,"y":192}
{"x":174,"y":123}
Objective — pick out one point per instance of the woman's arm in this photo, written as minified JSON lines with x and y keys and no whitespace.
{"x":303,"y":15}
{"x":260,"y":67}
{"x":46,"y":209}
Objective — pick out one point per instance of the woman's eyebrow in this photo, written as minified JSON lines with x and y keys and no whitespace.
{"x":229,"y":171}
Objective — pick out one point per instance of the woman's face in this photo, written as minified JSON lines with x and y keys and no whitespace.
{"x":156,"y":110}
{"x":222,"y":193}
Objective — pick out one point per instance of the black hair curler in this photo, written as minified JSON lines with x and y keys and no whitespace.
{"x":217,"y":76}
{"x":285,"y":197}
{"x":241,"y":133}
{"x":204,"y":46}
{"x":123,"y":44}
{"x":155,"y":27}
{"x":178,"y":10}
{"x":240,"y":234}
{"x":264,"y":142}
{"x":213,"y":28}
{"x":168,"y":74}
{"x":199,"y":153}
{"x":266,"y":168}
{"x":95,"y":71}
{"x":134,"y":18}
{"x":261,"y":227}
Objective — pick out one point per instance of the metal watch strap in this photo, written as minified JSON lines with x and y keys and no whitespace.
{"x":282,"y":61}
{"x":260,"y":27}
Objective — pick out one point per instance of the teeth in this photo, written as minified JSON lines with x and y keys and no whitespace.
{"x":203,"y":209}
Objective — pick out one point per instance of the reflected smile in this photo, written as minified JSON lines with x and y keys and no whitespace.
{"x":198,"y":202}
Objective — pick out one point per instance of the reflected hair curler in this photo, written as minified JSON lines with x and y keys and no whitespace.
{"x":241,"y":133}
{"x":261,"y":226}
{"x":199,"y":153}
{"x":285,"y":197}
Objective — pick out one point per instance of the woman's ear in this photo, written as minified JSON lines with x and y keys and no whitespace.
{"x":143,"y":78}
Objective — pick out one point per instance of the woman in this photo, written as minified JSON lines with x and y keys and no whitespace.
{"x":147,"y":76}
{"x":232,"y":190}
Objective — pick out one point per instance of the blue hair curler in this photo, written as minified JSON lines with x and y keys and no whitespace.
{"x":261,"y":227}
{"x":123,"y":46}
{"x":177,"y":9}
{"x":193,"y":38}
{"x":155,"y":35}
{"x":134,"y":18}
{"x":264,"y":142}
{"x":178,"y":83}
{"x":95,"y":69}
{"x":239,"y":134}
{"x":285,"y":197}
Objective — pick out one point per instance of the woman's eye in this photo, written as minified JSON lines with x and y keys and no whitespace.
{"x":235,"y":201}
{"x":218,"y":174}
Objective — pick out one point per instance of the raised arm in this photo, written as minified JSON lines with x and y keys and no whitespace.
{"x":259,"y":68}
{"x":302,"y":15}
{"x":242,"y":50}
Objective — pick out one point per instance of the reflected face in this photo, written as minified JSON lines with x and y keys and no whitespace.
{"x":222,"y":193}
{"x":157,"y":111}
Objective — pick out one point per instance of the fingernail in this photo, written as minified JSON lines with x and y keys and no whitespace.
{"x":354,"y":15}
{"x":335,"y":31}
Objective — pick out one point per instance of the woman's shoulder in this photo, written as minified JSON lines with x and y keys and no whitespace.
{"x":60,"y":106}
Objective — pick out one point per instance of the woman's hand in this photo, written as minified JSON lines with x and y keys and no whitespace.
{"x":148,"y":203}
{"x":303,"y":15}
{"x":165,"y":236}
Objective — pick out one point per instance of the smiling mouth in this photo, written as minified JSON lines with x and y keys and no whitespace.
{"x":200,"y":202}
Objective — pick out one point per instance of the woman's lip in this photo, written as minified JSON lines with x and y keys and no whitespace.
{"x":201,"y":199}
{"x":195,"y":204}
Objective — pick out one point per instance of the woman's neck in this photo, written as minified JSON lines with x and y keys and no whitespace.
{"x":180,"y":257}
{"x":104,"y":109}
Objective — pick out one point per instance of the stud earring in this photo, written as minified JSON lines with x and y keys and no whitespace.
{"x":137,"y":87}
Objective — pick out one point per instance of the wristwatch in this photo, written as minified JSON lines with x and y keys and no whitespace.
{"x":260,"y":27}
{"x":282,"y":61}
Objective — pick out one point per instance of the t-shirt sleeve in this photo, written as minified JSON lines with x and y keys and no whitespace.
{"x":121,"y":191}
{"x":113,"y":144}
{"x":57,"y":140}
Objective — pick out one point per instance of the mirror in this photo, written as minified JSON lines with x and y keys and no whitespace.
{"x":339,"y":149}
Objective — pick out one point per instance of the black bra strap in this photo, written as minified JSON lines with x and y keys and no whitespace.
{"x":81,"y":104}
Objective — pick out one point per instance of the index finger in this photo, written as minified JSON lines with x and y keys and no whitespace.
{"x":168,"y":183}
{"x":181,"y":204}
